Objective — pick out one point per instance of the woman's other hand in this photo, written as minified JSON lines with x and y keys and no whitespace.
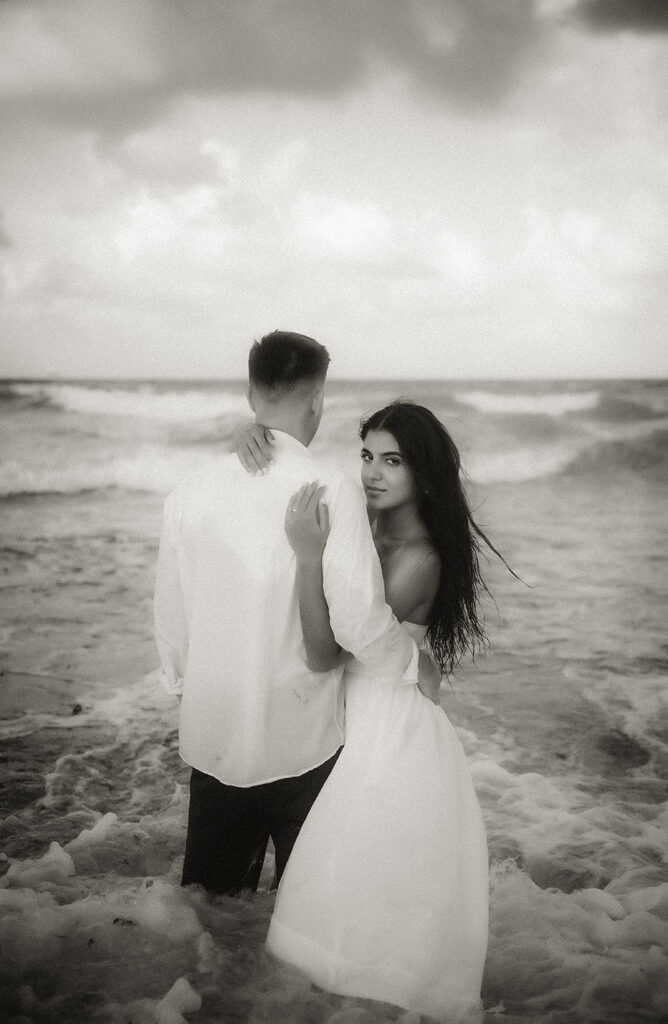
{"x":429,"y":678}
{"x":253,"y":447}
{"x":307,"y":522}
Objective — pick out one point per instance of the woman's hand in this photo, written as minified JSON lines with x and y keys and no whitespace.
{"x":252,"y":446}
{"x":307,"y":522}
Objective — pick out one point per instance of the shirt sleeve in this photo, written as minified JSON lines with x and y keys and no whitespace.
{"x":361,"y":621}
{"x":171,"y":633}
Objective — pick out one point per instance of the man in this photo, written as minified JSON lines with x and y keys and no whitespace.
{"x":260,"y":730}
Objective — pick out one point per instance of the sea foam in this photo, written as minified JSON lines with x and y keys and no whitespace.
{"x":548,"y":404}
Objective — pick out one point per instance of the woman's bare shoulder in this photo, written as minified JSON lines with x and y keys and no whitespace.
{"x":411,"y":578}
{"x":417,"y":555}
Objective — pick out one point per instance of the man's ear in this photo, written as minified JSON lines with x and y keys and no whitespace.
{"x":250,"y":397}
{"x":317,"y":398}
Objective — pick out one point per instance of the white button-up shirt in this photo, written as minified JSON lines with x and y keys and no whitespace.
{"x":227,"y":620}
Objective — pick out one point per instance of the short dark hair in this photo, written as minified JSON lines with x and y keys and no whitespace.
{"x":282,"y":360}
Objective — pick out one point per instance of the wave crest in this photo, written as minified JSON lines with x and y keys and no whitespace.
{"x":143,"y":402}
{"x":150,"y":470}
{"x":646,"y":455}
{"x":556,"y":403}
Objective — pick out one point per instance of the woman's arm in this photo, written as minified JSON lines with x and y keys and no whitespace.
{"x":411,"y":583}
{"x":307,"y":528}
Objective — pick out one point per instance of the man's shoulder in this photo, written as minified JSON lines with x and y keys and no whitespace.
{"x":337,"y":480}
{"x":306,"y":465}
{"x":202,"y":481}
{"x":344,"y":496}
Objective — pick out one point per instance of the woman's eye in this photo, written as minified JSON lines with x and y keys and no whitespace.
{"x":393,"y":462}
{"x":365,"y":456}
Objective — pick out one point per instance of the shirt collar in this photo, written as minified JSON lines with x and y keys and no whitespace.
{"x":286,"y":442}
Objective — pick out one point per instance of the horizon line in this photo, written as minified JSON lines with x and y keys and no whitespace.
{"x":61,"y":379}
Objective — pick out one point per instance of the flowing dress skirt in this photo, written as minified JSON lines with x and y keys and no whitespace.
{"x":385,"y":895}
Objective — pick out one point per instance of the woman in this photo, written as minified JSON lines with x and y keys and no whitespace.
{"x":385,"y":893}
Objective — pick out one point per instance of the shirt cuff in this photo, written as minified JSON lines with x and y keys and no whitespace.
{"x":171,"y":683}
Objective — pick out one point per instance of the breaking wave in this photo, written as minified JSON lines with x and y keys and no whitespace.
{"x":142,"y":401}
{"x":549,"y":404}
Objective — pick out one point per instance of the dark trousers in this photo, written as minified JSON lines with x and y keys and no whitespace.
{"x":229,"y":827}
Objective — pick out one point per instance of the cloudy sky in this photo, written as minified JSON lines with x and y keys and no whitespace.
{"x":447,"y":188}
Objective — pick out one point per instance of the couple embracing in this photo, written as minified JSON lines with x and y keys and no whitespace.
{"x":302,"y":632}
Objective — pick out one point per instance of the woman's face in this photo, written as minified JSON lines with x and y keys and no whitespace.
{"x":386,"y":478}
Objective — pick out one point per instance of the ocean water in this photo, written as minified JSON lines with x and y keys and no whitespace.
{"x":564,"y":719}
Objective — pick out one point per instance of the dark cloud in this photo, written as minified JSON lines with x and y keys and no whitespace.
{"x":465,"y":48}
{"x":466,"y":52}
{"x":116,"y":112}
{"x":489,"y":44}
{"x":638,"y":15}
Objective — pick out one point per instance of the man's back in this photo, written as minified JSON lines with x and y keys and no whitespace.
{"x":252,"y":711}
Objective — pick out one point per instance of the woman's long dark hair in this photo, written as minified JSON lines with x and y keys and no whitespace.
{"x":454,"y":626}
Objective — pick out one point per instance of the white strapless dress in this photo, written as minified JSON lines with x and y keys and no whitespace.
{"x":385,"y":895}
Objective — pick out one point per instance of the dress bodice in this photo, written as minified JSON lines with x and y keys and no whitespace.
{"x":355,"y":668}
